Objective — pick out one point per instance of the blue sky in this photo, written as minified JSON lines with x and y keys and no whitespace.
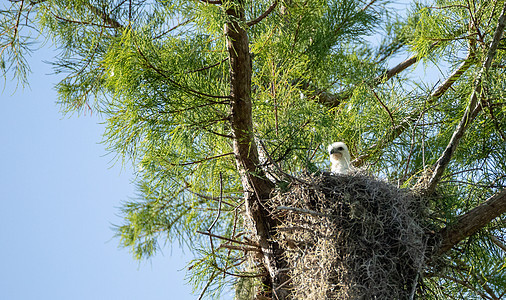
{"x":60,"y":192}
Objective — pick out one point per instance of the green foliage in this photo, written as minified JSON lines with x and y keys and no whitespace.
{"x":15,"y":43}
{"x":158,"y":71}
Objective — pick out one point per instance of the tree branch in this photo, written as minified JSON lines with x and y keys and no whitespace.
{"x":387,"y":138}
{"x":198,"y":161}
{"x":397,"y":69}
{"x":105,"y":17}
{"x":400,"y":67}
{"x":227,"y":239}
{"x":396,"y":131}
{"x":186,"y":89}
{"x":333,"y":100}
{"x":173,"y":28}
{"x":443,"y":87}
{"x":262,"y":16}
{"x":18,"y":17}
{"x":207,"y":67}
{"x":241,"y":248}
{"x":465,"y":284}
{"x":80,"y":22}
{"x":472,"y":109}
{"x":384,"y":106}
{"x":472,"y":221}
{"x":498,"y":243}
{"x":211,"y":1}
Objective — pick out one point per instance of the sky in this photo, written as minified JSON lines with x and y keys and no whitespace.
{"x":60,"y":193}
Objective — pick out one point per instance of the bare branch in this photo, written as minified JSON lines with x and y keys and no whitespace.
{"x":240,"y":275}
{"x":394,"y":132}
{"x":472,"y":109}
{"x":498,"y":243}
{"x":241,"y":248}
{"x":105,"y":17}
{"x":173,"y":28}
{"x":227,"y":239}
{"x":201,"y":160}
{"x":443,"y":87}
{"x":491,"y":113}
{"x":333,"y":100}
{"x":262,"y":16}
{"x":219,"y":205}
{"x":384,"y":106}
{"x":398,"y":69}
{"x":18,"y":17}
{"x":211,"y":198}
{"x":207,"y":67}
{"x":211,"y":279}
{"x":211,"y":1}
{"x":80,"y":22}
{"x":401,"y":67}
{"x":269,"y":161}
{"x":472,"y":221}
{"x":209,"y":103}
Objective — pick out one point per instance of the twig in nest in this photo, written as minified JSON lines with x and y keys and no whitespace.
{"x":302,"y":210}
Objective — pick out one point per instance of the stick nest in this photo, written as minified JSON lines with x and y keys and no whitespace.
{"x":350,"y":237}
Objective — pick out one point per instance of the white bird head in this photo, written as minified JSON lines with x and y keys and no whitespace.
{"x":339,"y":157}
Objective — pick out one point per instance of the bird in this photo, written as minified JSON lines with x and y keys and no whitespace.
{"x":339,"y":158}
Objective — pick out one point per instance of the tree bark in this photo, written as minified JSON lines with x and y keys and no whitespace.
{"x":472,"y":221}
{"x":256,"y":187}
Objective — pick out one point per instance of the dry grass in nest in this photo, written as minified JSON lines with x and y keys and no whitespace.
{"x":350,"y":237}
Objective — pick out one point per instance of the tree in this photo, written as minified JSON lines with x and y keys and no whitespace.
{"x":207,"y":97}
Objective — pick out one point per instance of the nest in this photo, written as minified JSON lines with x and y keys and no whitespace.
{"x":350,"y":237}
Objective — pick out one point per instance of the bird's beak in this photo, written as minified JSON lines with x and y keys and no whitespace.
{"x":336,"y":155}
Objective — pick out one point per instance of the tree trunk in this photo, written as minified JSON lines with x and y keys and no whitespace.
{"x":256,"y":187}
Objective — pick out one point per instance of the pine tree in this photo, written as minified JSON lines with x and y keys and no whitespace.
{"x":211,"y":100}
